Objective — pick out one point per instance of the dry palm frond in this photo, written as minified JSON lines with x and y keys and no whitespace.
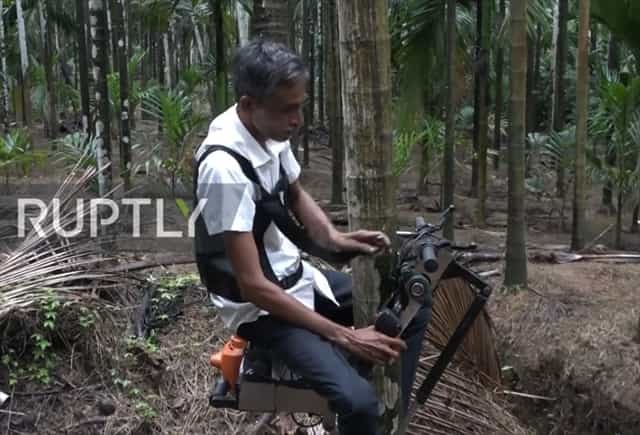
{"x":46,"y":260}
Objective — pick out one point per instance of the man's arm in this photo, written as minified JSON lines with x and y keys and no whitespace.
{"x":323,"y":232}
{"x":257,"y":289}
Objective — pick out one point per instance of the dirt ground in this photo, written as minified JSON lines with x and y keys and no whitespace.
{"x":569,"y":345}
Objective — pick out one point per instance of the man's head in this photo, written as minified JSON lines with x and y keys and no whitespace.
{"x":270,"y":83}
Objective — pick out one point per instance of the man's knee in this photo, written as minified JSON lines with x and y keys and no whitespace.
{"x":358,"y":399}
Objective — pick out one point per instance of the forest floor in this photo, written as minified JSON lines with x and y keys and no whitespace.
{"x":571,"y":341}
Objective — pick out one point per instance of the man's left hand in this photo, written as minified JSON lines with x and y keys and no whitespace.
{"x":364,"y":241}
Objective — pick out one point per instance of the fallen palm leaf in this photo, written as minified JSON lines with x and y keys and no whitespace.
{"x":45,"y":261}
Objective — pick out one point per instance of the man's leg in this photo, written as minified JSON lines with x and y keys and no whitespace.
{"x":342,"y":286}
{"x":324,"y":367}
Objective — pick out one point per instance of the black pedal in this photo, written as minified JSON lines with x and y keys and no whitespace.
{"x":388,"y":323}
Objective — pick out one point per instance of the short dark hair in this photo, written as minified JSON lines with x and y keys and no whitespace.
{"x":262,"y":65}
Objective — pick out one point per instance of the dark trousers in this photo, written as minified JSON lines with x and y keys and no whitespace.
{"x":326,"y":367}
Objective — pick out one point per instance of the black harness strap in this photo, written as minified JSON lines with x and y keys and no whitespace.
{"x":270,"y":208}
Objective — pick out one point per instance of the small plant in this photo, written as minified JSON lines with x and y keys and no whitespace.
{"x":17,"y":154}
{"x":141,"y":405}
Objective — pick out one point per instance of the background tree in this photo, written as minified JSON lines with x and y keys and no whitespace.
{"x":100,"y":61}
{"x":366,"y":83}
{"x":270,"y":19}
{"x":582,"y":106}
{"x":449,"y":147}
{"x":516,"y":255}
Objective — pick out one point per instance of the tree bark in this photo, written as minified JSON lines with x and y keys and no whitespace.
{"x":243,"y":24}
{"x":582,"y":112}
{"x":559,"y":66}
{"x":4,"y":88}
{"x":270,"y":19}
{"x":334,"y":102}
{"x":516,"y":255}
{"x":83,"y":65}
{"x":365,"y":57}
{"x":613,"y":64}
{"x":102,"y":131}
{"x":23,"y":76}
{"x":321,"y":64}
{"x":448,"y":184}
{"x":307,"y":54}
{"x":221,"y":62}
{"x":499,"y":103}
{"x":125,"y":134}
{"x":52,"y":116}
{"x":484,"y":22}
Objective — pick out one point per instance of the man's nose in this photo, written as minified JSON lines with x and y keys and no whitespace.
{"x":296,"y":119}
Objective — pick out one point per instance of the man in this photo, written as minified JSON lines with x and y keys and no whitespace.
{"x":266,"y":293}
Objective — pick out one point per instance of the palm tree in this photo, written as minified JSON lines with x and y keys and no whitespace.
{"x":334,"y":101}
{"x":516,"y":256}
{"x":582,"y":105}
{"x":100,"y":61}
{"x":499,"y":104}
{"x":449,"y":147}
{"x":83,"y":65}
{"x":4,"y":89}
{"x":365,"y":55}
{"x":24,"y":115}
{"x":270,"y":19}
{"x":47,"y":37}
{"x":559,"y":66}
{"x":481,"y":135}
{"x":125,"y":135}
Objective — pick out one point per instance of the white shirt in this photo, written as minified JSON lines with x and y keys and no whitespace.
{"x":230,"y":206}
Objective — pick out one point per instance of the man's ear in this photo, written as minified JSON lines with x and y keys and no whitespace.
{"x":246,"y":103}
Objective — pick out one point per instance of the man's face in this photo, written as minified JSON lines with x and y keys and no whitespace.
{"x":278,"y":116}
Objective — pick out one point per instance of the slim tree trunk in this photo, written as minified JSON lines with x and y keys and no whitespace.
{"x":83,"y":65}
{"x":516,"y":255}
{"x":613,"y":63}
{"x":4,"y":88}
{"x":559,"y":67}
{"x":499,"y":103}
{"x":100,"y":43}
{"x":321,"y":64}
{"x":483,"y":108}
{"x":582,"y":112}
{"x":166,"y":45}
{"x":221,"y":63}
{"x":448,"y":177}
{"x":307,"y":54}
{"x":243,"y":24}
{"x":52,"y":118}
{"x":25,"y":88}
{"x":270,"y":19}
{"x":365,"y":56}
{"x":125,"y":135}
{"x":334,"y":102}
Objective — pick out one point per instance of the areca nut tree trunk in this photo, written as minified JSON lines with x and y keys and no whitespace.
{"x":24,"y":100}
{"x":100,"y":63}
{"x":4,"y":88}
{"x":516,"y":255}
{"x":448,"y":185}
{"x":560,"y":53}
{"x":582,"y":107}
{"x":270,"y":20}
{"x":365,"y":58}
{"x":334,"y":102}
{"x":125,"y":134}
{"x":47,"y":39}
{"x":482,"y":106}
{"x":499,"y":103}
{"x":83,"y":65}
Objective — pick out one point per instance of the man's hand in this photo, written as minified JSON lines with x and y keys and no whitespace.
{"x":371,"y":345}
{"x":367,"y":242}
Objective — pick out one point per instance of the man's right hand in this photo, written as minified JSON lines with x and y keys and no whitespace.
{"x":371,"y":345}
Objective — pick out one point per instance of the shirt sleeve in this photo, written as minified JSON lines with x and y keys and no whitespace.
{"x":228,"y":195}
{"x":290,"y":164}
